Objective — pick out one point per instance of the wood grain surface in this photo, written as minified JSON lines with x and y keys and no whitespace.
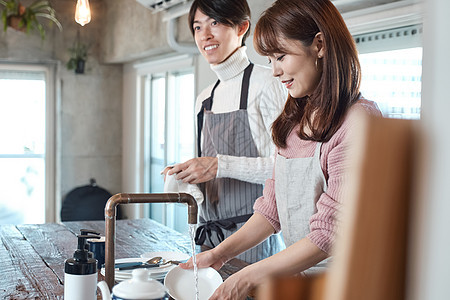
{"x":32,"y":256}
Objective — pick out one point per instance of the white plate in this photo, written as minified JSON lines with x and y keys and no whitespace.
{"x":154,"y":273}
{"x":167,"y":255}
{"x":181,"y":286}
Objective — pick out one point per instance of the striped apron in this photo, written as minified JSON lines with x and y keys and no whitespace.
{"x":229,"y":202}
{"x":297,"y":196}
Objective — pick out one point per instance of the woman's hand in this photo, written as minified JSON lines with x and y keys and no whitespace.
{"x":236,"y":287}
{"x":205,"y":259}
{"x":196,"y":170}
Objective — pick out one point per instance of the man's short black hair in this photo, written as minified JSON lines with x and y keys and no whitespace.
{"x":228,"y":12}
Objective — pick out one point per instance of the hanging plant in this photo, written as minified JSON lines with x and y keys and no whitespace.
{"x":78,"y":56}
{"x":26,"y":19}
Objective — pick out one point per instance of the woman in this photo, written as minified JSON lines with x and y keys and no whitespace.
{"x":234,"y":119}
{"x":313,"y":54}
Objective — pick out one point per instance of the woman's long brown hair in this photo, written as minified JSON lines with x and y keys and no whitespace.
{"x":324,"y":110}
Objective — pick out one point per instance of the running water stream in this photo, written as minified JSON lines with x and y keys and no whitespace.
{"x":192,"y":228}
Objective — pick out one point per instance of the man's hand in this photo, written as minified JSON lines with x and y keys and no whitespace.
{"x":196,"y":170}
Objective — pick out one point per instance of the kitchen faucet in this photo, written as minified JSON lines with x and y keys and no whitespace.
{"x":125,"y":198}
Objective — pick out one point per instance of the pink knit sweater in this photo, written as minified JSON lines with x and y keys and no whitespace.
{"x":323,"y":224}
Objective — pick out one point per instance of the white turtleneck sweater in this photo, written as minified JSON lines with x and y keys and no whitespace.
{"x":266,"y":98}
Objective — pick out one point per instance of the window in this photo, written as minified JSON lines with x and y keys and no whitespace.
{"x":27,"y":142}
{"x":171,"y":135}
{"x":391,"y":63}
{"x":168,"y":132}
{"x":171,"y":116}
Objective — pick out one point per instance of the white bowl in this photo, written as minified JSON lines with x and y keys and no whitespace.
{"x":181,"y":286}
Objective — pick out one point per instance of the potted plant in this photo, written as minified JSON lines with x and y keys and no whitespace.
{"x":78,"y":57}
{"x":27,"y":18}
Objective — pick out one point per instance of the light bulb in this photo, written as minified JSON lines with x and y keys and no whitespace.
{"x":82,"y":12}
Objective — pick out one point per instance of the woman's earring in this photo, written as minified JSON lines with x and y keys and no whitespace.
{"x":317,"y":67}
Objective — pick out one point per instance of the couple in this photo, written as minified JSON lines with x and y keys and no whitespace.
{"x":313,"y":55}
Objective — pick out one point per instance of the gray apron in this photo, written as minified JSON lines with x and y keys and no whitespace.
{"x":299,"y":182}
{"x":229,"y":202}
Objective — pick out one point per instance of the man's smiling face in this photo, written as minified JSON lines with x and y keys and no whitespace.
{"x":215,"y":40}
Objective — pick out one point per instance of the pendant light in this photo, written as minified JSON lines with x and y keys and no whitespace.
{"x":82,"y":12}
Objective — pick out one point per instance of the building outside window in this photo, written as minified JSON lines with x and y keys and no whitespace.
{"x":391,"y":63}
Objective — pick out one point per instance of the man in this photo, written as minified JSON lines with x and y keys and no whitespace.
{"x":234,"y":118}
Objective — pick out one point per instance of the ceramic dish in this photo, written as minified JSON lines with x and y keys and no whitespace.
{"x":180,"y":283}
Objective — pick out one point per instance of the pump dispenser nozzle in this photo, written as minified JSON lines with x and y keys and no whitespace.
{"x":82,"y":253}
{"x":94,"y":236}
{"x":82,"y":262}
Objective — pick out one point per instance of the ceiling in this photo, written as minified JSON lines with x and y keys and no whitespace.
{"x":343,"y":6}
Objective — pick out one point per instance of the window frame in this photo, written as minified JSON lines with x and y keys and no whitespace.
{"x":50,"y":70}
{"x":144,"y":71}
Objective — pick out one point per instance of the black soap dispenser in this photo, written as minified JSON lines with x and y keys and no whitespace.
{"x":80,"y":273}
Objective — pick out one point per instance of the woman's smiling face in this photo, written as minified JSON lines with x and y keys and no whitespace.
{"x":299,"y":67}
{"x":215,"y":40}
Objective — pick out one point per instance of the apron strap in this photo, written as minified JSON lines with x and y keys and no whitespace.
{"x":207,"y":103}
{"x":205,"y":229}
{"x":245,"y":86}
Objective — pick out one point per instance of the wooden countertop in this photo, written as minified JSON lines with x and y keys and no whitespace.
{"x":32,"y":256}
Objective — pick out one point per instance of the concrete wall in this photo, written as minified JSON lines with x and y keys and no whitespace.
{"x":90,"y":112}
{"x":134,"y":32}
